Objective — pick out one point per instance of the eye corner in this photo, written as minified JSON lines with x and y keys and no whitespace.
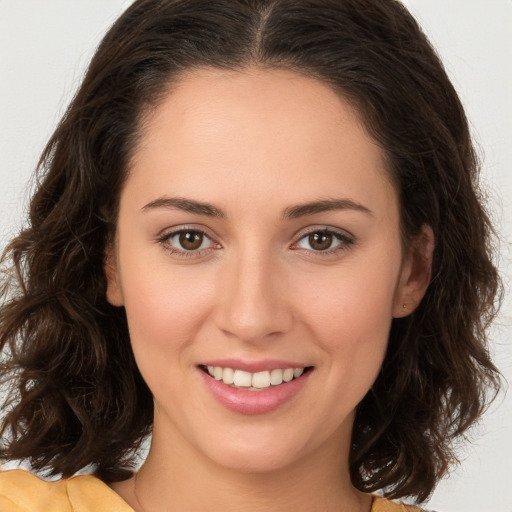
{"x":187,"y":241}
{"x":329,"y":240}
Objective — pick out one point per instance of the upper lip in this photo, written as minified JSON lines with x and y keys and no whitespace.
{"x":254,"y":366}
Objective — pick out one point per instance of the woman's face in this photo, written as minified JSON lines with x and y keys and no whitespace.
{"x":258,"y":235}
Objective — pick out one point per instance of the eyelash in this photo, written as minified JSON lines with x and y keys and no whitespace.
{"x":345,"y":241}
{"x":165,"y":241}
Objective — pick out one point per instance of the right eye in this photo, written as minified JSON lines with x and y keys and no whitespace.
{"x":187,"y":242}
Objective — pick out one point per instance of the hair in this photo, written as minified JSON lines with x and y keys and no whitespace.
{"x":76,"y":395}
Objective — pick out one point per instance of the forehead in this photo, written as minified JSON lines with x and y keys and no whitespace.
{"x":268,"y":130}
{"x":254,"y":101}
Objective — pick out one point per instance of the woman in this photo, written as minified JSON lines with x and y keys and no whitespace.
{"x":257,"y":236}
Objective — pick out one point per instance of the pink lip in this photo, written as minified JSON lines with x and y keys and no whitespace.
{"x":253,"y":402}
{"x":254,"y":366}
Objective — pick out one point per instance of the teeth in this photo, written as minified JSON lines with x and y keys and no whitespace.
{"x":258,"y":380}
{"x":261,"y":380}
{"x":288,"y":374}
{"x":242,"y":379}
{"x":228,"y":376}
{"x":276,"y":377}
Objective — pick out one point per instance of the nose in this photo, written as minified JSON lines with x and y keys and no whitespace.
{"x":254,"y":305}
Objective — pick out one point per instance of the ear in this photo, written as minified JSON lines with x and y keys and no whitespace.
{"x":415,"y":274}
{"x":110,"y":267}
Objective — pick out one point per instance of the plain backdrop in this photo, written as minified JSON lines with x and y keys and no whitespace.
{"x":45,"y":46}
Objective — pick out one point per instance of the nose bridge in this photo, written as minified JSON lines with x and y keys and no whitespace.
{"x":253,"y":305}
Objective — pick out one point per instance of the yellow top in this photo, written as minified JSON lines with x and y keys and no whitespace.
{"x":21,"y":491}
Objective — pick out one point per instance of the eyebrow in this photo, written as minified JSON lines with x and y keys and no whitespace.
{"x":292,"y":212}
{"x":301,"y":210}
{"x":187,"y":205}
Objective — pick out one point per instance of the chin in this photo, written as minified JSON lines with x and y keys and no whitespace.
{"x":255,"y":461}
{"x":261,"y":450}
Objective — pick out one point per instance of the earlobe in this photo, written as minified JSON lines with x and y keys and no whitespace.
{"x":114,"y":292}
{"x":415,"y":274}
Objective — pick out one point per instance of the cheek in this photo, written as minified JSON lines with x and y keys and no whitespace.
{"x":165,"y":306}
{"x":351,"y":318}
{"x":164,"y":316}
{"x":351,"y":302}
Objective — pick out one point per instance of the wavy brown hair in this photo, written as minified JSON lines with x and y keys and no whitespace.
{"x":77,"y":397}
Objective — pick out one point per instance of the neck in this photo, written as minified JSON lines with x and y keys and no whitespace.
{"x":179,"y":478}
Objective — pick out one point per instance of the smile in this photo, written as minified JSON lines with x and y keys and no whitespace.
{"x":257,"y":392}
{"x":258,"y":381}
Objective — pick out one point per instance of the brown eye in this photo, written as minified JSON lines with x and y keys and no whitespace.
{"x":191,"y":240}
{"x":188,"y":243}
{"x":320,"y":241}
{"x":325,"y":241}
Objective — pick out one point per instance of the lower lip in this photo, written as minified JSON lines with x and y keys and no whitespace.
{"x":254,"y":402}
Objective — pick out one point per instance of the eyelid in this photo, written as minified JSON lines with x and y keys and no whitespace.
{"x":166,"y":234}
{"x":347,"y":239}
{"x":326,"y":228}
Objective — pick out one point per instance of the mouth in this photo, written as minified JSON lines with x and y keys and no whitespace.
{"x":254,"y":387}
{"x":258,"y":381}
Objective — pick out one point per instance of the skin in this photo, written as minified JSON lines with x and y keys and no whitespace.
{"x":254,"y":145}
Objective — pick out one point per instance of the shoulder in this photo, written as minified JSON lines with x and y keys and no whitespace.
{"x":21,"y":491}
{"x":384,"y":505}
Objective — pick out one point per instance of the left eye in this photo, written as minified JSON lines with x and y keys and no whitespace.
{"x":322,"y":240}
{"x":188,"y":240}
